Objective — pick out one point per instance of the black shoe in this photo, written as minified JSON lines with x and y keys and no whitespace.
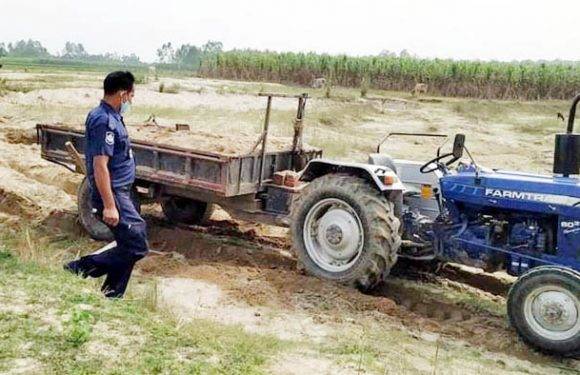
{"x":75,"y":267}
{"x":116,"y":282}
{"x":84,"y":267}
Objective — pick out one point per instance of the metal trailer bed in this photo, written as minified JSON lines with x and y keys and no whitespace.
{"x":241,"y":184}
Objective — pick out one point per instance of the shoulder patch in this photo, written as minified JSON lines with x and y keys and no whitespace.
{"x":112,"y":122}
{"x":110,"y":138}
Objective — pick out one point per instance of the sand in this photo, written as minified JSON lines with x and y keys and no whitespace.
{"x":150,"y":97}
{"x":240,"y":143}
{"x":28,"y":198}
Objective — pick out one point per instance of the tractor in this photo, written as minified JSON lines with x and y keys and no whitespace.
{"x":352,"y":221}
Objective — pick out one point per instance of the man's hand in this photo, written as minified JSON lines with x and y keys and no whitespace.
{"x":103,"y":181}
{"x":111,"y":216}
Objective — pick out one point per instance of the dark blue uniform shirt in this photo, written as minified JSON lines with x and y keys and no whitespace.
{"x":106,"y":135}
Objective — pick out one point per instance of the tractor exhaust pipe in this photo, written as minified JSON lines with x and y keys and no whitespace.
{"x":567,"y":147}
{"x":572,"y":115}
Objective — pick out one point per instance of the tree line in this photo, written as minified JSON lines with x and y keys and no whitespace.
{"x":188,"y":55}
{"x":183,"y":56}
{"x":71,"y":51}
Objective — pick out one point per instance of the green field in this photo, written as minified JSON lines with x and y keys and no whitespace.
{"x":41,"y":65}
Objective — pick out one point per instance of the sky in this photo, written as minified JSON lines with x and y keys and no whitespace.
{"x":484,"y":29}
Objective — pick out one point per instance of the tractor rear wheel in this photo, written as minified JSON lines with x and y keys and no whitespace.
{"x":345,"y":230}
{"x":544,"y":308}
{"x":186,"y":211}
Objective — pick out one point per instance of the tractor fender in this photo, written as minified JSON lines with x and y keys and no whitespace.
{"x":374,"y":174}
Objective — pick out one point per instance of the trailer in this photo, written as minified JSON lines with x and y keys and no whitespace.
{"x":257,"y":186}
{"x":263,"y":187}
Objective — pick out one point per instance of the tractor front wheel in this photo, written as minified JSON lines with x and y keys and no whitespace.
{"x":544,"y":308}
{"x":345,"y":230}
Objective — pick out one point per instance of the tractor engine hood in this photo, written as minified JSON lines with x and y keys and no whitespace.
{"x":513,"y":190}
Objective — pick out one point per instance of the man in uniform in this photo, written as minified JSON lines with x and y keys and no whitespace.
{"x":111,"y":173}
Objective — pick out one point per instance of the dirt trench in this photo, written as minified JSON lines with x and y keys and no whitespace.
{"x":259,"y":274}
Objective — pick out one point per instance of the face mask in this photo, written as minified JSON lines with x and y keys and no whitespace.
{"x":125,"y":107}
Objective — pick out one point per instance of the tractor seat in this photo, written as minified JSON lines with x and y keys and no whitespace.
{"x":383,"y":160}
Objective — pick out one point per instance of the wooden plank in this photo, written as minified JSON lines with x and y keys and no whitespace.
{"x":76,"y":157}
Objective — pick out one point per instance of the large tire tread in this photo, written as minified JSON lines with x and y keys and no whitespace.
{"x":382,"y":239}
{"x":516,"y":297}
{"x":96,"y":229}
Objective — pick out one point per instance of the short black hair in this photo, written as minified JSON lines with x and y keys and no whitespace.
{"x":117,"y":81}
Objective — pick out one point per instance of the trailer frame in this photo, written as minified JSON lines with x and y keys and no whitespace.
{"x":242,"y":184}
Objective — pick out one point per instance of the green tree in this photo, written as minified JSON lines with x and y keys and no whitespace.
{"x":27,"y":48}
{"x":3,"y":51}
{"x":166,"y":54}
{"x":131,"y":59}
{"x":188,"y":55}
{"x":212,"y":47}
{"x":74,"y":51}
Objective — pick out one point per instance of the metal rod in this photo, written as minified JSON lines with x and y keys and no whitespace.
{"x":62,"y":164}
{"x":256,"y":144}
{"x":264,"y":141}
{"x":280,"y":95}
{"x":572,"y":114}
{"x":298,"y":128}
{"x":108,"y":246}
{"x":434,"y":135}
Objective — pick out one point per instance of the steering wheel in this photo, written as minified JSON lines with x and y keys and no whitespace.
{"x":438,"y":163}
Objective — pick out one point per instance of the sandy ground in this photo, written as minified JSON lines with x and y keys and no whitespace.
{"x":244,"y":274}
{"x":257,"y":287}
{"x":200,"y":140}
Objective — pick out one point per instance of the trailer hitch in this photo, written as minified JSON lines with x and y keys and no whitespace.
{"x":384,"y":139}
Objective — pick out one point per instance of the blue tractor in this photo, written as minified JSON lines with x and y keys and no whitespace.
{"x":352,"y":221}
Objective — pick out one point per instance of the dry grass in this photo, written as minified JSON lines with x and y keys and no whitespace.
{"x":173,"y":88}
{"x":8,"y":86}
